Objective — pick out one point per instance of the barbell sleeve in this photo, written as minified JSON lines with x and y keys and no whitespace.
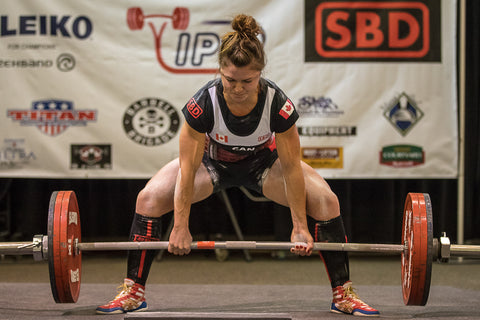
{"x":463,"y":250}
{"x":17,"y":248}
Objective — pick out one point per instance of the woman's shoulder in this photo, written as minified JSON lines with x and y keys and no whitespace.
{"x":210,"y":84}
{"x":267,"y":83}
{"x":278,"y":95}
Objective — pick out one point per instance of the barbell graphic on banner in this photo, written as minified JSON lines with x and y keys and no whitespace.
{"x":180,"y":19}
{"x":62,"y":247}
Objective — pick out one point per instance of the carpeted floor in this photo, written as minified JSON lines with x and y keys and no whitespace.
{"x":200,"y":287}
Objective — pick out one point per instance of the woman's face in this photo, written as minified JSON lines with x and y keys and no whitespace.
{"x":239,"y":83}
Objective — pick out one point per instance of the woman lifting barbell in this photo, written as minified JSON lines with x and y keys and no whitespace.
{"x":239,"y":131}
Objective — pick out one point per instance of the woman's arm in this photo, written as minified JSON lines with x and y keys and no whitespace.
{"x":192,"y":144}
{"x":288,"y":147}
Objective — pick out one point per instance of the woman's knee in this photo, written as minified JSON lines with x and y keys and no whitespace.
{"x":323,"y":204}
{"x":154,"y":202}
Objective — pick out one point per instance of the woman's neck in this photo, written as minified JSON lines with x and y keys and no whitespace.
{"x":243,"y":108}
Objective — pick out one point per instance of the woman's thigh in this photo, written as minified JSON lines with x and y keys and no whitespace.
{"x":156,"y":198}
{"x":321,"y":202}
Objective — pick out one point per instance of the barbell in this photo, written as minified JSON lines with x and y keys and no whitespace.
{"x":62,"y":247}
{"x":180,"y":18}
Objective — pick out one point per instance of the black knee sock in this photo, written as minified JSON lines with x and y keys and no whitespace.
{"x":336,"y":262}
{"x":139,"y":261}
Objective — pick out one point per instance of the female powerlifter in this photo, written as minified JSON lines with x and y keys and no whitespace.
{"x":239,"y":131}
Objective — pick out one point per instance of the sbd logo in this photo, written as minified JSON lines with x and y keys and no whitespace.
{"x":372,"y":30}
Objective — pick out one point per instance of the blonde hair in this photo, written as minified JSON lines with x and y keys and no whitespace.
{"x":241,"y":46}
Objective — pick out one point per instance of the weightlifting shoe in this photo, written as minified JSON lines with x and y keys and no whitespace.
{"x":130,"y":298}
{"x":346,"y":301}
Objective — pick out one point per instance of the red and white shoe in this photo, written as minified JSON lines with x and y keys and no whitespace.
{"x":130,"y":298}
{"x":346,"y":301}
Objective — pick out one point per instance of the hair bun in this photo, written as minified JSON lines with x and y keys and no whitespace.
{"x":242,"y":46}
{"x":246,"y":26}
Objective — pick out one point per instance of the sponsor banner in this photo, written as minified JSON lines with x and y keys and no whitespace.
{"x":89,"y":94}
{"x":14,"y":155}
{"x":89,"y":156}
{"x":323,"y":157}
{"x":402,"y":156}
{"x":372,"y":30}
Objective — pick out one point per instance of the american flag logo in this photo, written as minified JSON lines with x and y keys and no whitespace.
{"x":52,"y":129}
{"x":52,"y":116}
{"x":221,"y":138}
{"x":287,"y":109}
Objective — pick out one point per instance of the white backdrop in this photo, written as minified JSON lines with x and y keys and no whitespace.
{"x":95,"y":88}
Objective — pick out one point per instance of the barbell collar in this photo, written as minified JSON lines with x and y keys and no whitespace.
{"x":39,"y":247}
{"x":445,"y":246}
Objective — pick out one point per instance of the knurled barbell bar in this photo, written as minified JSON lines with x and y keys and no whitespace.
{"x":62,"y":247}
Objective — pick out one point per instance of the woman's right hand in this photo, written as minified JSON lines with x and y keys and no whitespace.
{"x":180,"y":241}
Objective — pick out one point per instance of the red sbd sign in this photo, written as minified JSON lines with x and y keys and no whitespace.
{"x":372,"y":30}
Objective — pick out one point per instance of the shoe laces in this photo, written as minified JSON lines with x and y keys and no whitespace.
{"x":122,"y":290}
{"x":350,"y":293}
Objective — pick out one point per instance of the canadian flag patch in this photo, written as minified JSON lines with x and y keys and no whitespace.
{"x":221,"y":138}
{"x":287,"y":109}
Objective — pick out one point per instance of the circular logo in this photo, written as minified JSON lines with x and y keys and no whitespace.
{"x":65,"y":62}
{"x":151,"y":122}
{"x":91,"y":154}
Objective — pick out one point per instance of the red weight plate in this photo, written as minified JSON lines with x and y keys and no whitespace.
{"x":50,"y":235}
{"x":180,"y":18}
{"x":135,"y":18}
{"x":63,"y":232}
{"x":430,"y":251}
{"x":417,"y":235}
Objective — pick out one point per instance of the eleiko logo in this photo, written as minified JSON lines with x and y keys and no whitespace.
{"x":80,"y":27}
{"x":372,"y":30}
{"x":52,"y":116}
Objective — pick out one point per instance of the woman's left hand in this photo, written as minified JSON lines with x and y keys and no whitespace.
{"x":303,"y":243}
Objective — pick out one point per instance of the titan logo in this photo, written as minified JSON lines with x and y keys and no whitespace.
{"x":372,"y":30}
{"x":52,"y":116}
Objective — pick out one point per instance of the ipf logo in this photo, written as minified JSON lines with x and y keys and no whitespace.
{"x":194,"y":51}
